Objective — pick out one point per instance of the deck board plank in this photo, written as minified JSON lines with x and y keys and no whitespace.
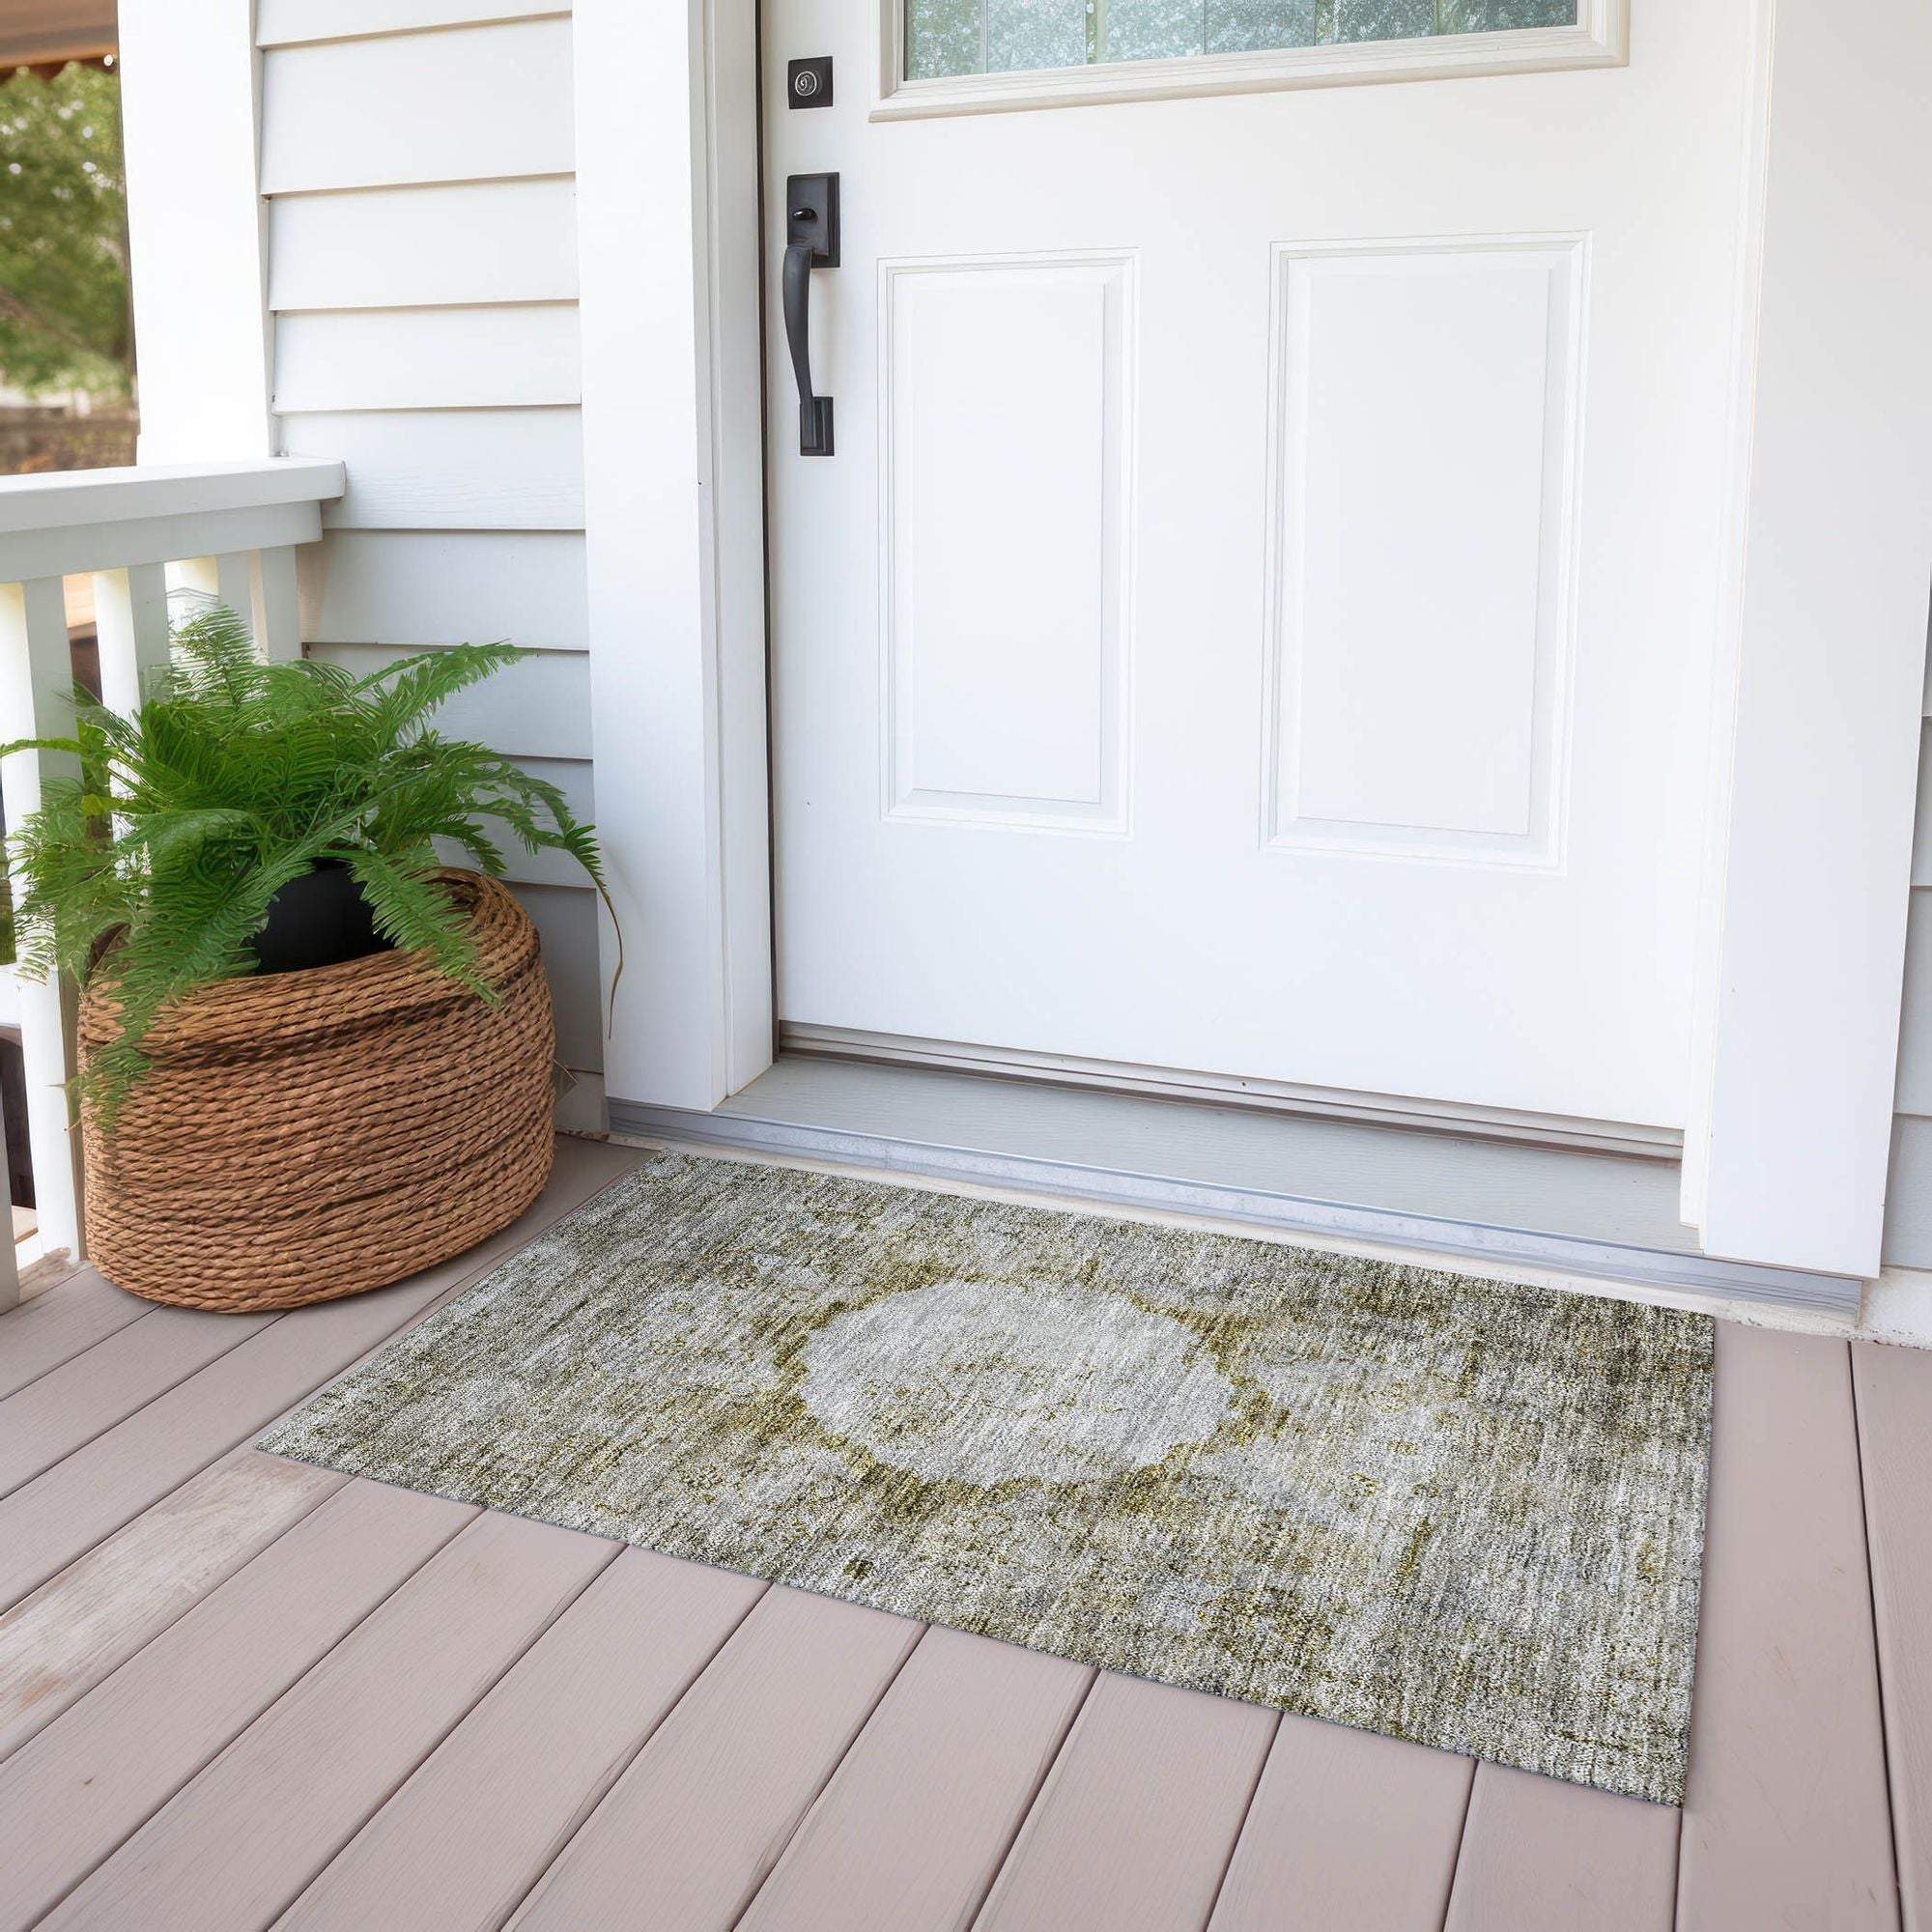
{"x":56,"y":1324}
{"x":89,"y":1393}
{"x":1536,"y":1853}
{"x":60,"y":1515}
{"x":1348,"y":1828}
{"x":89,"y":1780}
{"x":1894,"y":1403}
{"x":1136,"y":1821}
{"x":690,"y":1832}
{"x":239,"y":1841}
{"x":913,"y":1827}
{"x":1786,"y":1820}
{"x":465,"y":1839}
{"x":71,"y":1633}
{"x":806,"y":1779}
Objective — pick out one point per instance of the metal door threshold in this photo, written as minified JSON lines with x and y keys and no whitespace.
{"x":1609,"y":1216}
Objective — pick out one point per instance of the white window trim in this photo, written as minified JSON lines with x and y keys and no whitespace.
{"x":1601,"y":38}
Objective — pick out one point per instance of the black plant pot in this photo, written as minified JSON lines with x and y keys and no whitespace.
{"x":319,"y":919}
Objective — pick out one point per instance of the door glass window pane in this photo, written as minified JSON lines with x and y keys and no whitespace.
{"x":1034,"y":32}
{"x":949,"y":37}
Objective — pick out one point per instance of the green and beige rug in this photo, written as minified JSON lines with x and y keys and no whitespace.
{"x":1459,"y":1512}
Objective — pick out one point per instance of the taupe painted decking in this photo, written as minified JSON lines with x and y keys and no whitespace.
{"x":236,"y":1693}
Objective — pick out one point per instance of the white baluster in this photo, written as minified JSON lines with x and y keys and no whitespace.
{"x":235,"y":583}
{"x":35,"y":686}
{"x":130,"y":616}
{"x":260,"y":587}
{"x":10,"y":1266}
{"x":276,"y":612}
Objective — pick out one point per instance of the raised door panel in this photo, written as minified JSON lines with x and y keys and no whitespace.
{"x":1005,"y":446}
{"x":1424,"y":473}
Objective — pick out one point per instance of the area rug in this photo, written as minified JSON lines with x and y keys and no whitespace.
{"x":1460,"y":1512}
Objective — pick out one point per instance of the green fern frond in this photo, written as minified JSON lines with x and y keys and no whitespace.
{"x":235,"y":777}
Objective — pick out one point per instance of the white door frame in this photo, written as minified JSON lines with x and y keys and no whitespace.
{"x":1806,"y":879}
{"x":674,"y":473}
{"x":1820,"y":704}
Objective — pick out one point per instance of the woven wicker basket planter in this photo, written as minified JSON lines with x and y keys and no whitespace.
{"x":308,"y":1135}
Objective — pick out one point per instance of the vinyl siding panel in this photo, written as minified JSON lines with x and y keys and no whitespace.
{"x":1921,"y":842}
{"x":413,"y":358}
{"x":572,"y":778}
{"x":468,"y":104}
{"x":414,"y":587}
{"x":1915,"y":1040}
{"x":464,"y":469}
{"x":1908,"y":1206}
{"x":283,"y":22}
{"x":565,"y":918}
{"x":422,"y":275}
{"x":537,"y":709}
{"x":399,"y":247}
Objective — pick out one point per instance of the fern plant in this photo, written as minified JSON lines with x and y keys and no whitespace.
{"x":233,"y":779}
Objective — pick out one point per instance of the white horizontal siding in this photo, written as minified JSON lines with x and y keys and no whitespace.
{"x":565,"y":918}
{"x":1922,"y":835}
{"x":465,"y":469}
{"x":412,"y":358}
{"x":446,"y":588}
{"x":537,"y":708}
{"x":471,"y":103}
{"x":1915,"y":1040}
{"x":1907,"y":1203}
{"x":422,"y":275}
{"x":283,"y":22}
{"x":400,"y":247}
{"x":572,"y":778}
{"x":1908,"y":1212}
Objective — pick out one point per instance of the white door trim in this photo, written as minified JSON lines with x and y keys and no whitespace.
{"x":668,"y":241}
{"x":1808,"y":884}
{"x":1811,"y":866}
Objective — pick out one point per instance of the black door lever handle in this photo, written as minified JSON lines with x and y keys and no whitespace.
{"x":814,"y":413}
{"x":812,"y":241}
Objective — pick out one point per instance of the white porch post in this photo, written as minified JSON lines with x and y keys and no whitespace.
{"x":190,"y":88}
{"x":1791,"y":1105}
{"x":666,"y":238}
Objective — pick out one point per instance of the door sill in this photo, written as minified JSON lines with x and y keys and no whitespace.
{"x":1226,"y":1090}
{"x":1609,"y":1216}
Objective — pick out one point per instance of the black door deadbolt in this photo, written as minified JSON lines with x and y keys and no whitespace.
{"x":812,"y":241}
{"x":809,"y":82}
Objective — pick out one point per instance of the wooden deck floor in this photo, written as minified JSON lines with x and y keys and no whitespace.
{"x":237,"y":1692}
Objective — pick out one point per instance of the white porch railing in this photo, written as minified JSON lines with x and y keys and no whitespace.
{"x":227,"y":529}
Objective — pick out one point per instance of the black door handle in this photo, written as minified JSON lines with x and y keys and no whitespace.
{"x":814,"y":413}
{"x":812,"y":241}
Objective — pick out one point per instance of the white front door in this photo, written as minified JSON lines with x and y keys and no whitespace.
{"x":1257,"y":618}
